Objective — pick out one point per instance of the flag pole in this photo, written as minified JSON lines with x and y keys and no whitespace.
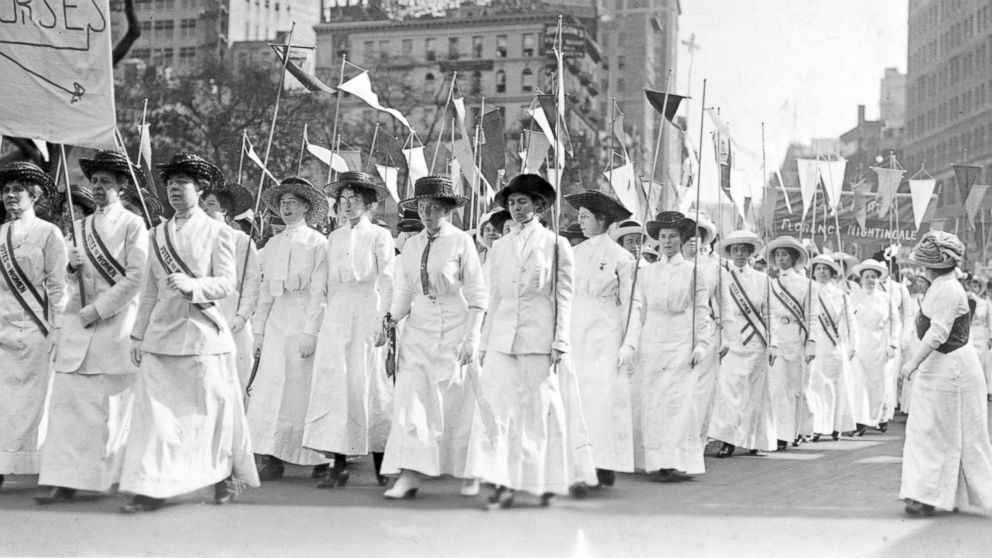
{"x":767,"y":318}
{"x":134,"y":179}
{"x":64,"y":163}
{"x":375,"y":138}
{"x":440,"y":133}
{"x":337,"y":113}
{"x":303,"y":147}
{"x":699,"y":189}
{"x":241,"y":160}
{"x":613,"y":123}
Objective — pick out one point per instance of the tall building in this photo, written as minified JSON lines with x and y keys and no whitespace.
{"x":949,"y":89}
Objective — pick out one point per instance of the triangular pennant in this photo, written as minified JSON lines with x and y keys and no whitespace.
{"x":310,"y":82}
{"x":832,"y":175}
{"x":547,"y":103}
{"x":966,"y":176}
{"x":860,"y":202}
{"x":921,"y":191}
{"x":416,"y":163}
{"x":145,"y":143}
{"x":974,"y":201}
{"x":536,"y":152}
{"x":625,"y":186}
{"x":324,"y":154}
{"x":809,"y":177}
{"x":361,"y":87}
{"x":541,"y":118}
{"x":669,"y":108}
{"x":724,"y":161}
{"x":258,"y":161}
{"x":390,"y":176}
{"x":888,"y":185}
{"x":493,"y":152}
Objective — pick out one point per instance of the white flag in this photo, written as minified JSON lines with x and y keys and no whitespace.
{"x":888,"y":184}
{"x":390,"y":175}
{"x":416,"y":163}
{"x":255,"y":159}
{"x":145,"y":145}
{"x":361,"y":87}
{"x":832,"y":174}
{"x":625,"y":187}
{"x":809,"y":178}
{"x":328,"y":157}
{"x":921,"y":191}
{"x":536,"y":153}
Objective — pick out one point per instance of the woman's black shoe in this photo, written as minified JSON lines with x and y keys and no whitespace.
{"x":578,"y":490}
{"x":782,"y":445}
{"x":883,"y":426}
{"x":320,"y":471}
{"x":142,"y":504}
{"x":335,"y":477}
{"x":726,"y":450}
{"x":273,"y":469}
{"x":606,"y":477}
{"x":860,"y":430}
{"x":816,"y":438}
{"x":55,"y":495}
{"x":835,"y":435}
{"x":915,"y":508}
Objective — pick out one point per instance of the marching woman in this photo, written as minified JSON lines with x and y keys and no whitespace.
{"x":920,"y":286}
{"x":877,"y":322}
{"x":523,"y":339}
{"x":349,"y":411}
{"x":981,"y":323}
{"x":947,"y":459}
{"x":669,"y":318}
{"x":441,"y":292}
{"x":285,"y":328}
{"x":601,"y":288}
{"x":836,"y":337}
{"x":32,"y":296}
{"x":792,"y":347}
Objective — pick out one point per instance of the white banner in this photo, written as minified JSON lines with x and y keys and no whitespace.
{"x":57,"y":82}
{"x":921,"y":191}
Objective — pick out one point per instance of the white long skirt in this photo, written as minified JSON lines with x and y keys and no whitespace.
{"x":188,"y":427}
{"x":433,"y":404}
{"x":789,"y":381}
{"x":581,"y":458}
{"x":278,"y":403}
{"x":350,"y":406}
{"x":869,"y":385}
{"x":25,"y":372}
{"x":605,"y":399}
{"x":742,"y":413}
{"x":88,"y":422}
{"x":707,"y":372}
{"x":527,"y":449}
{"x":830,"y":391}
{"x":947,"y":459}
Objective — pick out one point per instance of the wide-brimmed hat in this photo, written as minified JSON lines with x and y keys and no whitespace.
{"x":873,"y":265}
{"x":650,"y":251}
{"x":741,"y":237}
{"x":499,"y":218}
{"x":24,"y":171}
{"x":708,"y":227}
{"x":599,"y":202}
{"x":434,"y":188}
{"x":532,"y":184}
{"x":671,"y":220}
{"x":81,"y":195}
{"x":630,"y":226}
{"x":845,"y":260}
{"x":194,"y":166}
{"x":826,"y":260}
{"x":572,"y":231}
{"x":356,"y":179}
{"x":792,"y":243}
{"x":117,"y":163}
{"x":410,"y":222}
{"x":243,"y":199}
{"x":303,"y":189}
{"x":152,"y":203}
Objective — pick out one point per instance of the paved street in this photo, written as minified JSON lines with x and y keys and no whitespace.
{"x":824,"y":499}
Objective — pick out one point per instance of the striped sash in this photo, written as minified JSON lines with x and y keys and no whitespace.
{"x":106,"y":265}
{"x":753,"y":326}
{"x":792,"y":305}
{"x":828,"y":323}
{"x":34,"y":305}
{"x":164,"y":248}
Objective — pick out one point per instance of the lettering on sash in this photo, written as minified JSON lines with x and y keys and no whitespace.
{"x":172,"y":263}
{"x":34,"y":305}
{"x":828,"y":323}
{"x":106,"y":265}
{"x":792,"y":305}
{"x":754,"y":326}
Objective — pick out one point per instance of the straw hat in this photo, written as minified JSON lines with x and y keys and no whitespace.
{"x":117,"y":163}
{"x":194,"y":166}
{"x":671,"y":220}
{"x":23,"y":171}
{"x":823,"y":259}
{"x":528,"y":184}
{"x":741,"y":237}
{"x":873,"y":265}
{"x":791,"y":243}
{"x":410,"y":222}
{"x":356,"y":179}
{"x":81,"y":195}
{"x":242,"y":198}
{"x":434,"y":188}
{"x":303,"y":189}
{"x":630,"y":226}
{"x":599,"y":202}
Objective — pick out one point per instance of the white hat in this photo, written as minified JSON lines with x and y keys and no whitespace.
{"x":873,"y":265}
{"x":741,"y":237}
{"x":709,"y":229}
{"x":826,"y":260}
{"x":630,"y":226}
{"x":787,"y":242}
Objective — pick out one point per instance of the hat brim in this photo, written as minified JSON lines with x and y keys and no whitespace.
{"x":32,"y":175}
{"x":411,"y":203}
{"x":787,"y":242}
{"x":197,"y":169}
{"x":754,"y":243}
{"x":91,"y":166}
{"x":410,"y":226}
{"x":317,"y":212}
{"x":868,"y":266}
{"x":79,"y":198}
{"x":829,"y":262}
{"x":543,"y":190}
{"x":686,"y":228}
{"x":600,"y":203}
{"x":334,"y":188}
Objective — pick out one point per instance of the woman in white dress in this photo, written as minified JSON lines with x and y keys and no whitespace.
{"x":669,"y":318}
{"x":878,"y":326}
{"x":441,"y":293}
{"x":836,"y":336}
{"x":947,"y":459}
{"x":33,"y":263}
{"x":522,"y":447}
{"x":603,"y":276}
{"x":349,"y":410}
{"x":921,"y":284}
{"x":981,"y":323}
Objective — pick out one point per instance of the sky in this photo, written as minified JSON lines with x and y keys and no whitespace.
{"x":800,"y":66}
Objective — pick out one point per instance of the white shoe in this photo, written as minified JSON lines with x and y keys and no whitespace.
{"x":405,"y":488}
{"x":470,"y":487}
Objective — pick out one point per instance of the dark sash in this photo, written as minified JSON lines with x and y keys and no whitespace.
{"x":750,"y":312}
{"x":24,"y":292}
{"x":828,"y":323}
{"x":109,"y":268}
{"x":172,"y":263}
{"x":792,"y":305}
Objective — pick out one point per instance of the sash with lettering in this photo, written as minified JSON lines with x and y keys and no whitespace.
{"x":23,"y":290}
{"x":754,"y":325}
{"x":828,"y":323}
{"x":106,"y":265}
{"x":165,"y":249}
{"x":795,"y":308}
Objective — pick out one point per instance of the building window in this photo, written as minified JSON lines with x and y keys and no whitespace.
{"x":501,"y":81}
{"x":430,"y":49}
{"x":167,"y":59}
{"x":383,"y":47}
{"x":529,"y":44}
{"x":501,"y":46}
{"x":527,"y":80}
{"x":188,"y":28}
{"x":187,"y":56}
{"x":452,"y":48}
{"x":476,"y":82}
{"x":369,"y":51}
{"x":407,"y":45}
{"x":477,"y":47}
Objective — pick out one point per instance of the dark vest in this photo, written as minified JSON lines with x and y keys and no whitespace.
{"x":960,"y":331}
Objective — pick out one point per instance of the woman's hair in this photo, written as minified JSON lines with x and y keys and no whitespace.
{"x":833,"y":272}
{"x":447,"y":205}
{"x":792,"y":252}
{"x":368,"y":195}
{"x":226,"y":200}
{"x":600,"y":216}
{"x":302,"y":200}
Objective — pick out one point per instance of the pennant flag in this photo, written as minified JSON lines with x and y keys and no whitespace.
{"x":459,"y":104}
{"x":416,"y":163}
{"x":921,"y":191}
{"x":145,"y":145}
{"x":888,"y":185}
{"x":547,"y":103}
{"x":860,"y":202}
{"x":352,"y":158}
{"x":307,"y":80}
{"x":328,"y":157}
{"x":624,"y":186}
{"x":536,"y":152}
{"x":390,"y":148}
{"x":781,"y":187}
{"x":361,"y":87}
{"x":657,"y":100}
{"x":391,"y":176}
{"x":768,"y":205}
{"x":42,"y":148}
{"x":974,"y":201}
{"x":462,"y":151}
{"x":618,"y":132}
{"x":724,"y":161}
{"x":258,"y":161}
{"x":966,"y":176}
{"x":493,"y":150}
{"x":542,"y":122}
{"x":832,"y":175}
{"x":739,"y":191}
{"x":809,"y":177}
{"x":724,"y":131}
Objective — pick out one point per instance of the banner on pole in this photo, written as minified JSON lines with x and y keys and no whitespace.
{"x":57,"y":73}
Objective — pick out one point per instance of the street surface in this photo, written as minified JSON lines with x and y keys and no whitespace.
{"x":823,"y":499}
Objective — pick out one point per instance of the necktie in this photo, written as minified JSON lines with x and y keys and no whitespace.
{"x":424,"y":279}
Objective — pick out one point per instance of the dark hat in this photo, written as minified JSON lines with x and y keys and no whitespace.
{"x":356,"y":179}
{"x":599,"y":202}
{"x":572,"y":231}
{"x":499,"y":218}
{"x":23,"y":171}
{"x":302,"y":188}
{"x":114,"y":162}
{"x":433,"y":188}
{"x":155,"y":208}
{"x":671,"y":220}
{"x":410,"y":222}
{"x":193,"y":166}
{"x":528,"y":184}
{"x":242,"y":198}
{"x":80,"y":195}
